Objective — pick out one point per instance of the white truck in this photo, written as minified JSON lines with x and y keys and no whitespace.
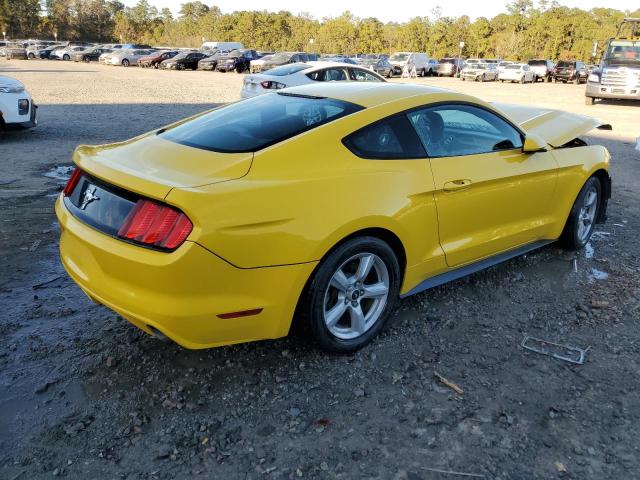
{"x":421,"y":61}
{"x":16,"y":105}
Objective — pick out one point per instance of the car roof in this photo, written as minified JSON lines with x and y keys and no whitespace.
{"x":367,"y":94}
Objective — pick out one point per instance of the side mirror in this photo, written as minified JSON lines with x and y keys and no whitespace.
{"x":533,"y":143}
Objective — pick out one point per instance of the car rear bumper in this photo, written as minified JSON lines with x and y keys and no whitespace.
{"x":595,"y":90}
{"x":180,"y":294}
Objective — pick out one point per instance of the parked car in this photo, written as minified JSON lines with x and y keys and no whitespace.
{"x":517,"y":72}
{"x":449,"y":67}
{"x":16,"y":52}
{"x":480,"y":72}
{"x":65,"y":53}
{"x":305,"y":73}
{"x":570,"y":71}
{"x":238,"y":60}
{"x":255,"y":66}
{"x":284,"y":58}
{"x":348,"y":60}
{"x":42,"y":52}
{"x":501,"y":65}
{"x":127,"y":57}
{"x":319,"y":204}
{"x":156,"y":58}
{"x":16,"y":105}
{"x":88,"y":55}
{"x":542,"y":69}
{"x":379,"y":65}
{"x":183,"y":61}
{"x":420,"y":60}
{"x":211,"y":62}
{"x":105,"y":58}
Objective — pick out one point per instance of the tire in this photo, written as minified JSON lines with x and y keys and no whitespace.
{"x":549,"y":79}
{"x":31,"y":56}
{"x":86,"y":59}
{"x":522,"y":79}
{"x":589,"y":101}
{"x":390,"y":74}
{"x":322,"y":302}
{"x":125,"y":63}
{"x":582,"y":218}
{"x":66,"y":57}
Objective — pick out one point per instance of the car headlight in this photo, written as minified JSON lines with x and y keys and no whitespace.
{"x":23,"y":106}
{"x":11,"y":89}
{"x":594,"y":78}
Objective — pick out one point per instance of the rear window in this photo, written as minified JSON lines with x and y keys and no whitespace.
{"x":566,"y":64}
{"x":287,"y":69}
{"x":537,"y":63}
{"x":256,"y":123}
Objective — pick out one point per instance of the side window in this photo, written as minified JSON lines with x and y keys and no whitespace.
{"x":455,"y":130}
{"x":334,"y":75}
{"x":359,"y":75}
{"x":388,"y":139}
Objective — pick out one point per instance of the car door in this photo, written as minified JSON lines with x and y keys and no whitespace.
{"x":491,"y":197}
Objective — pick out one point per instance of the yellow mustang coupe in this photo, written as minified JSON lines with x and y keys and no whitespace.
{"x":323,"y":203}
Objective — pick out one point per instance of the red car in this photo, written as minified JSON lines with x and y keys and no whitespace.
{"x":156,"y":58}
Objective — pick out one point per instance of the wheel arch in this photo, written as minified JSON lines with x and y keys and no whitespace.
{"x":605,"y":182}
{"x":384,"y":234}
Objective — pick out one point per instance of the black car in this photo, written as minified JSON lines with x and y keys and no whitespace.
{"x":183,"y":61}
{"x":570,"y":71}
{"x":379,"y":65}
{"x":237,"y":60}
{"x":211,"y":62}
{"x":91,"y":54}
{"x":288,"y":57}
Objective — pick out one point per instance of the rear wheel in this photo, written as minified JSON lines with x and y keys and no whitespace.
{"x":351,"y":295}
{"x":582,"y":218}
{"x":31,"y":56}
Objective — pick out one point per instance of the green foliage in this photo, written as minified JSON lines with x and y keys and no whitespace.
{"x":543,"y":30}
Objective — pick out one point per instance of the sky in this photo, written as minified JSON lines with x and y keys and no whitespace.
{"x":397,"y":10}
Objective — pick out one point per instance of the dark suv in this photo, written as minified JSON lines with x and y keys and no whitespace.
{"x":237,"y":60}
{"x":569,"y":71}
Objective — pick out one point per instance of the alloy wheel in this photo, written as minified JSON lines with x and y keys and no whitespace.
{"x":356,"y":296}
{"x":587,"y":214}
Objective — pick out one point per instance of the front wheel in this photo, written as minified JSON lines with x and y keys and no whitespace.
{"x":351,"y":295}
{"x":32,"y":56}
{"x":582,"y":218}
{"x":66,"y":57}
{"x":589,"y":101}
{"x":125,"y":63}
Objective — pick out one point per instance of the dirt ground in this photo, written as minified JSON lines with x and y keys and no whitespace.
{"x":83,"y":394}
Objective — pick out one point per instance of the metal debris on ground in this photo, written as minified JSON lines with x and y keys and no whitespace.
{"x":567,"y":353}
{"x":448,"y":383}
{"x":451,"y":472}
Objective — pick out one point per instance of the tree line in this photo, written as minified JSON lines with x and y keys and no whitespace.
{"x":544,"y":30}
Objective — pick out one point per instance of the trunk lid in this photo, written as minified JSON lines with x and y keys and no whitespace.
{"x":151,"y":165}
{"x":554,"y":126}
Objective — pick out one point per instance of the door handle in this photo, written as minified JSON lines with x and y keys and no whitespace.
{"x":457,"y":185}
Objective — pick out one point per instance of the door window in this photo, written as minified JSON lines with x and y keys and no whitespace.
{"x":455,"y":130}
{"x":360,"y":75}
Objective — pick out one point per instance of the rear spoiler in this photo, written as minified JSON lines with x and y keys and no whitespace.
{"x":554,"y":126}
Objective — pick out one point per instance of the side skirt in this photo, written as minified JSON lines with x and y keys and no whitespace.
{"x":474,"y":267}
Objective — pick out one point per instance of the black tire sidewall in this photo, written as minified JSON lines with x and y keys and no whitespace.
{"x":570,"y":234}
{"x":314,"y":298}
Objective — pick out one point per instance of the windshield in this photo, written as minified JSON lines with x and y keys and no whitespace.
{"x":253,"y":124}
{"x":512,"y":67}
{"x":180,"y":55}
{"x":565,"y":64}
{"x":623,"y":51}
{"x":398,"y":57}
{"x":280,"y":58}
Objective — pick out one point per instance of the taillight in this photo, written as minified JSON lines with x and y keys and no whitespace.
{"x":156,"y":225}
{"x":72,"y":182}
{"x":272,"y":85}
